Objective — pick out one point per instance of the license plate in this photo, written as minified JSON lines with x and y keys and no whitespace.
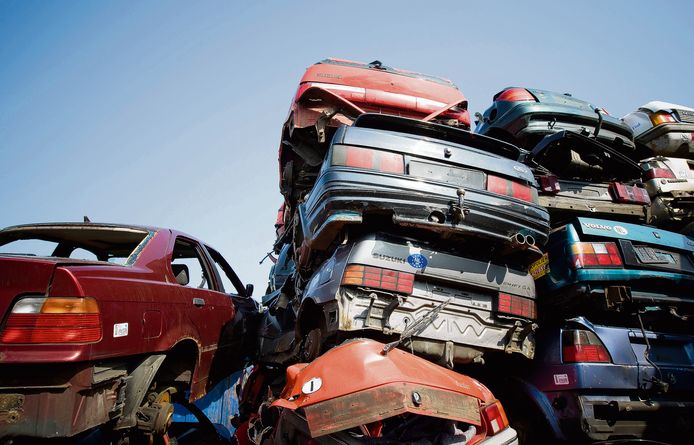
{"x":648,"y":255}
{"x":449,"y":175}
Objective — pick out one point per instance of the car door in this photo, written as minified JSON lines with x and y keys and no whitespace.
{"x":236,"y":341}
{"x":207,"y":308}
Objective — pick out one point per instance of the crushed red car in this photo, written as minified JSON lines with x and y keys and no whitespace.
{"x":335,"y":92}
{"x":107,"y":325}
{"x":364,"y":391}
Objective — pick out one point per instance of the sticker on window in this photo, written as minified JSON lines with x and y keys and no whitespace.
{"x":540,"y":267}
{"x":120,"y":330}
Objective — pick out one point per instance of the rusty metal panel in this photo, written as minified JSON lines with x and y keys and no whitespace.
{"x":387,"y":401}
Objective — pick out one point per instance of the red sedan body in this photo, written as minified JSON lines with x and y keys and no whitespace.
{"x":82,"y":341}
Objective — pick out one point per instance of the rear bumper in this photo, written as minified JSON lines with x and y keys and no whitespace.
{"x":341,"y":198}
{"x":611,"y":295}
{"x":461,"y":333}
{"x":669,"y":139}
{"x":603,"y":417}
{"x":56,"y":400}
{"x":529,"y":124}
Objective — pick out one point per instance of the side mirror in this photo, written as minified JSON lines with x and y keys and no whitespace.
{"x":249,"y":290}
{"x":478,"y":118}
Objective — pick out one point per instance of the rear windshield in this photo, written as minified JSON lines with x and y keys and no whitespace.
{"x":116,"y":245}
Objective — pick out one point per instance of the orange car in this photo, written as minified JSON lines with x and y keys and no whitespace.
{"x":334,"y":92}
{"x":365,"y":391}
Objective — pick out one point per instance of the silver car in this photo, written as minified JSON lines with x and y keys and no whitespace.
{"x":453,"y":305}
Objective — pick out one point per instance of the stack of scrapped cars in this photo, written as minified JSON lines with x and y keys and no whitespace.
{"x":664,"y":135}
{"x":401,"y":226}
{"x":614,"y":351}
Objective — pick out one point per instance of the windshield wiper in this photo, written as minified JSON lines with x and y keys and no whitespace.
{"x":417,"y":327}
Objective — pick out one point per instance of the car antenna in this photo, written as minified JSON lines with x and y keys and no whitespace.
{"x":417,"y":327}
{"x":86,"y":219}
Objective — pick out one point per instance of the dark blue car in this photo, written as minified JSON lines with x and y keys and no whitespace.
{"x":615,"y":351}
{"x":598,"y":381}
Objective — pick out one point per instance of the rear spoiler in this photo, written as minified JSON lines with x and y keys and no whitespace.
{"x":441,"y":132}
{"x":584,"y":145}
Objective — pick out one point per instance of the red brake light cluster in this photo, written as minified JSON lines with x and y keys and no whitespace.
{"x":515,"y":95}
{"x":503,"y":186}
{"x":367,"y":158}
{"x":386,"y":279}
{"x":582,"y":346}
{"x":494,"y":418}
{"x":659,"y":173}
{"x":629,"y":193}
{"x":586,"y":255}
{"x":53,"y":320}
{"x":522,"y":307}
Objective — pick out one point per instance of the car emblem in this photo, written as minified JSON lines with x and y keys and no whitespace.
{"x":620,"y":230}
{"x":447,"y":152}
{"x":518,"y":168}
{"x":656,"y":234}
{"x":312,"y":385}
{"x":417,"y":260}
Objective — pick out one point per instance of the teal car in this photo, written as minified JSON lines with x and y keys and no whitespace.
{"x":523,"y":116}
{"x":595,"y":265}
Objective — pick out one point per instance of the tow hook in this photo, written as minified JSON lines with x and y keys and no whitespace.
{"x":459,"y":211}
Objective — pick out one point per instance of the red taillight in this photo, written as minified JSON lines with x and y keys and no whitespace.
{"x":549,"y":184}
{"x":53,"y":320}
{"x":585,"y":255}
{"x":629,"y":193}
{"x":367,"y":158}
{"x":662,"y":117}
{"x":386,"y":279}
{"x":494,"y":418}
{"x":658,"y":173}
{"x":514,"y":305}
{"x":582,"y":346}
{"x":503,"y":186}
{"x":515,"y":95}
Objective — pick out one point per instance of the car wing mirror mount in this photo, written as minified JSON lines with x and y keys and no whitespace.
{"x":249,"y":290}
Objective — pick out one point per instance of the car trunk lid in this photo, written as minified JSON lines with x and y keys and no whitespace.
{"x":23,"y":276}
{"x":665,"y":362}
{"x":441,"y":154}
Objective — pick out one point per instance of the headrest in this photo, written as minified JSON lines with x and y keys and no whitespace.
{"x":181,"y":273}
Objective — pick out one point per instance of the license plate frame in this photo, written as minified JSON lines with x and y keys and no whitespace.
{"x":458,"y":176}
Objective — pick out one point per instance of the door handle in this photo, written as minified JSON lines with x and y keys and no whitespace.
{"x":199,"y":302}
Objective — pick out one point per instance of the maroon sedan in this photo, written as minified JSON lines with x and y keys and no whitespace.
{"x":104,"y":324}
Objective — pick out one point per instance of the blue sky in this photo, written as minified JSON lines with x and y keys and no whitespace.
{"x":168,"y":113}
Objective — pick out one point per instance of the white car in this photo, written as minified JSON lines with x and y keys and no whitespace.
{"x":663,"y":128}
{"x":670,"y":184}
